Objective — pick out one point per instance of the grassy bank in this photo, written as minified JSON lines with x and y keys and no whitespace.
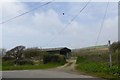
{"x":31,"y":67}
{"x":100,"y":69}
{"x":96,"y":63}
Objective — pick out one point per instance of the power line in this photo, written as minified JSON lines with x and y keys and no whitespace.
{"x":102,"y":23}
{"x":69,"y":22}
{"x":26,"y":12}
{"x":18,"y":12}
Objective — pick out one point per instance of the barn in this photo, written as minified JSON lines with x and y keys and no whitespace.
{"x":62,"y":51}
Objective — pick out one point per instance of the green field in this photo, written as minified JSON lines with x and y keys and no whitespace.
{"x":95,"y":61}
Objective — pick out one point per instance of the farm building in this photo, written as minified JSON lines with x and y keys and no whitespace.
{"x":62,"y":51}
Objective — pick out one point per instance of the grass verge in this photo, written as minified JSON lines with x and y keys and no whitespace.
{"x":31,"y":67}
{"x":99,"y":69}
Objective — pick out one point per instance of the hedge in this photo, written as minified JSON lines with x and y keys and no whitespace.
{"x":23,"y":62}
{"x":54,"y":58}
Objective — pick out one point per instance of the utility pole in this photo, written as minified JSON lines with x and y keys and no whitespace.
{"x":109,"y":52}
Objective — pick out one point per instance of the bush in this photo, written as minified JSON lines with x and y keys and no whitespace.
{"x":7,"y":58}
{"x":28,"y":53}
{"x":115,"y":46}
{"x":54,"y":58}
{"x":23,"y":62}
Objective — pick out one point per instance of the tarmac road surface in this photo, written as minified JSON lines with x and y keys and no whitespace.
{"x":40,"y":74}
{"x":65,"y":71}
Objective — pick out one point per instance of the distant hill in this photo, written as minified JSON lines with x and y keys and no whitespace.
{"x":99,"y":47}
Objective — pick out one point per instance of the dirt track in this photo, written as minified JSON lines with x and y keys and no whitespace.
{"x":70,"y":68}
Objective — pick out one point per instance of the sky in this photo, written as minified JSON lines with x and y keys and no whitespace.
{"x":46,"y":27}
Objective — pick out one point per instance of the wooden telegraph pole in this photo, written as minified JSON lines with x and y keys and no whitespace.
{"x":109,"y":52}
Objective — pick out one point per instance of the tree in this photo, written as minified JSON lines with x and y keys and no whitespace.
{"x":15,"y":52}
{"x":115,"y":46}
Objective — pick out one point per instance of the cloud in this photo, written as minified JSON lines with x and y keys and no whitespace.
{"x":111,"y":22}
{"x":47,"y":22}
{"x":110,"y":30}
{"x":39,"y":27}
{"x":12,"y":9}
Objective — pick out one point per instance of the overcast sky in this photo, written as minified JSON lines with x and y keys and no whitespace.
{"x":46,"y":26}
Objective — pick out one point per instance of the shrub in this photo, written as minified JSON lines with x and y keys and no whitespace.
{"x":54,"y":58}
{"x":23,"y":62}
{"x":115,"y":46}
{"x":28,"y":53}
{"x":7,"y":58}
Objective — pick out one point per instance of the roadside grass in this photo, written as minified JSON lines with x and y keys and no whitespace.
{"x":31,"y":67}
{"x":96,"y":63}
{"x":99,"y":69}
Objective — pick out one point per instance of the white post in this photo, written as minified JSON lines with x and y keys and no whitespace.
{"x":110,"y":57}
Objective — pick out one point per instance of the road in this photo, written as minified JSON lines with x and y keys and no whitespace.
{"x":66,"y":71}
{"x":40,"y":74}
